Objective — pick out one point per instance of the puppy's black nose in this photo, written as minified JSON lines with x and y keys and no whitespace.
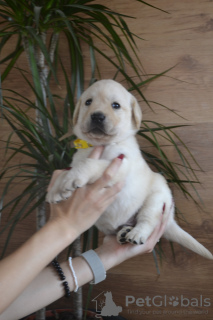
{"x":98,"y":117}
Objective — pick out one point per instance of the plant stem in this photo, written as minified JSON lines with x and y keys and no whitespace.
{"x":40,"y":314}
{"x":43,"y":74}
{"x":53,"y":44}
{"x":77,"y":296}
{"x":41,"y":210}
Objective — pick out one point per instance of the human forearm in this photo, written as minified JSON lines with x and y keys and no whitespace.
{"x":47,"y":288}
{"x":22,"y":266}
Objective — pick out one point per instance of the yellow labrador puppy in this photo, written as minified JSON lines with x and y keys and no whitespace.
{"x":107,"y":114}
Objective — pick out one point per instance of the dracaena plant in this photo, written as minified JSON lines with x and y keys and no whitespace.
{"x":37,"y":27}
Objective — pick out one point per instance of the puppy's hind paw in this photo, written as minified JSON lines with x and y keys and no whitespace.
{"x":136,"y":236}
{"x":130,"y":234}
{"x":122,"y":234}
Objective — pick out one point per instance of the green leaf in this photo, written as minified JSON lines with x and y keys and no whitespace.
{"x":22,"y":135}
{"x":167,"y":108}
{"x":69,"y":102}
{"x":72,"y":54}
{"x":12,"y":63}
{"x":151,"y":79}
{"x":156,"y":261}
{"x":20,"y":213}
{"x":5,"y":40}
{"x":13,"y":54}
{"x":97,"y":8}
{"x":146,"y":3}
{"x":3,"y":3}
{"x":79,"y":74}
{"x":1,"y":96}
{"x":70,"y":28}
{"x":93,"y":64}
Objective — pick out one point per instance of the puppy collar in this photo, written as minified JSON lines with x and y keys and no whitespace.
{"x":81,"y":144}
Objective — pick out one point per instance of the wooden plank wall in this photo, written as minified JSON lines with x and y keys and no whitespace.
{"x":182,"y":38}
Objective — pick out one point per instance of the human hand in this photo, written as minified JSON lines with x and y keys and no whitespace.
{"x":112,"y":253}
{"x":86,"y":204}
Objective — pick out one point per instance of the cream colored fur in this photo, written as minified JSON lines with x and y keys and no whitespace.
{"x":145,"y":191}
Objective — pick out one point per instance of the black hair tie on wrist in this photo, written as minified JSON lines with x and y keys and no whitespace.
{"x":60,"y":272}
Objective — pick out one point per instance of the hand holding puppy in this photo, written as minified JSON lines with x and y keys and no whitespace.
{"x":82,"y":210}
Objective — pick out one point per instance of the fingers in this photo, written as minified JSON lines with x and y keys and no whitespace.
{"x":157,"y":233}
{"x":163,"y":225}
{"x":108,"y":174}
{"x":109,"y":194}
{"x":55,"y":174}
{"x":96,"y":152}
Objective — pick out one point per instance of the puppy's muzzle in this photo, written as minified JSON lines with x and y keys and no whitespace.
{"x":97,"y":123}
{"x":97,"y":118}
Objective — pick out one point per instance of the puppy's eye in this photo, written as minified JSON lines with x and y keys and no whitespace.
{"x":116,"y":105}
{"x":88,"y":102}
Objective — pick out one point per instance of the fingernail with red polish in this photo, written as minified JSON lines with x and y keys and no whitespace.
{"x":68,"y":168}
{"x":121,"y":156}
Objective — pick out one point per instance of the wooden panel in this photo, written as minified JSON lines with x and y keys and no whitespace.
{"x":182,"y":38}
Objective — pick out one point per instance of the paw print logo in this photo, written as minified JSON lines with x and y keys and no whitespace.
{"x":174,"y":301}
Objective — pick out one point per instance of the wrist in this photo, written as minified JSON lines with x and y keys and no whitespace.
{"x":64,"y":229}
{"x":107,"y":257}
{"x":112,"y":253}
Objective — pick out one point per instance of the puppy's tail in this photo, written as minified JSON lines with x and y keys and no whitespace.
{"x":176,"y":234}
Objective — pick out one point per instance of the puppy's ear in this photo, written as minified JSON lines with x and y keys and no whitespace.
{"x":136,"y":113}
{"x":76,"y":112}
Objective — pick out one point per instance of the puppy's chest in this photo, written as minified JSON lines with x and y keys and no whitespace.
{"x":124,"y":209}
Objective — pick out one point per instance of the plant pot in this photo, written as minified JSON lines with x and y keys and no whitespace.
{"x":67,"y":312}
{"x":110,"y":317}
{"x":114,"y":318}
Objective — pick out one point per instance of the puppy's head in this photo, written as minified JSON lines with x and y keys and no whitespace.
{"x":105,"y":113}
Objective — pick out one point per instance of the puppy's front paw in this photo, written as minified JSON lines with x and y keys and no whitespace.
{"x":56,"y":196}
{"x":72,"y":183}
{"x":59,"y":191}
{"x":64,"y":186}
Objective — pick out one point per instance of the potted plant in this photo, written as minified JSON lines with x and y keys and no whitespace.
{"x":38,"y":26}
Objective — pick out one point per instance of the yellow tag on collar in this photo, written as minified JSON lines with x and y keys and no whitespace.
{"x":81,"y":144}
